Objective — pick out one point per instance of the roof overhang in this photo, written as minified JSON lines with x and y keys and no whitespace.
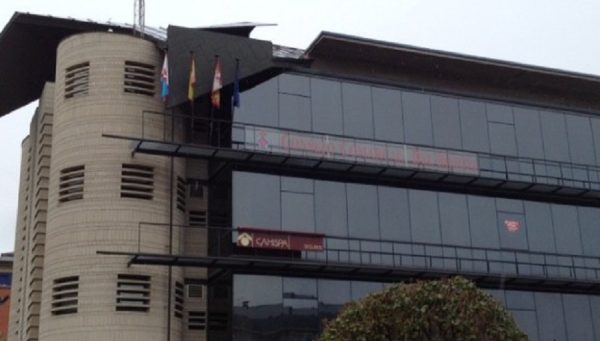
{"x":464,"y":68}
{"x":28,"y":46}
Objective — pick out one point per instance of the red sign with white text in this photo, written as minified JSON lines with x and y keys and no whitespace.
{"x":279,"y":240}
{"x":356,"y":150}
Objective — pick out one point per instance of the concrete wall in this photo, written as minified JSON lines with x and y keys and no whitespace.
{"x":102,"y":220}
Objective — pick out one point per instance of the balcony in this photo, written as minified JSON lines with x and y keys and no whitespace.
{"x":380,"y":260}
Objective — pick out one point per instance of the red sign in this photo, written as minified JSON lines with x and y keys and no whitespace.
{"x":352,"y":150}
{"x":279,"y":240}
{"x":512,"y":225}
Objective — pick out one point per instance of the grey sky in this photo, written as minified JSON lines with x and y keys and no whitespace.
{"x":553,"y":33}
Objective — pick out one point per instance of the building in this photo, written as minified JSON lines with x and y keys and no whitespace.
{"x":349,"y":165}
{"x":6,"y":264}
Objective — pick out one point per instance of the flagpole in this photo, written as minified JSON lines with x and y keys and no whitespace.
{"x":212,"y":106}
{"x":236,"y":90}
{"x":192,"y":112}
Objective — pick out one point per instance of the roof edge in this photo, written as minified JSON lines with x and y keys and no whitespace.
{"x":449,"y":55}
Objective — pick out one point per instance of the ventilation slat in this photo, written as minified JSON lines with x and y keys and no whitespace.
{"x":196,"y":320}
{"x":139,"y":78}
{"x":181,"y":194}
{"x":178,"y":311}
{"x":137,"y":182}
{"x":198,"y":218}
{"x":133,"y":293}
{"x":77,"y":80}
{"x":194,"y":290}
{"x":65,"y":295}
{"x":71,"y":183}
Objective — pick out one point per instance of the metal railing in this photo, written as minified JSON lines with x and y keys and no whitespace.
{"x":377,"y":253}
{"x":529,"y":172}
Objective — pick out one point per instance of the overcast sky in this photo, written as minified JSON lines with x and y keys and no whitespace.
{"x":553,"y":33}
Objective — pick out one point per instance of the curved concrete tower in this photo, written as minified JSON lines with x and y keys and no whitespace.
{"x":100,"y":194}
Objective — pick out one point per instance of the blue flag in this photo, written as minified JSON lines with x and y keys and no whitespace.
{"x":236,"y":85}
{"x":164,"y":79}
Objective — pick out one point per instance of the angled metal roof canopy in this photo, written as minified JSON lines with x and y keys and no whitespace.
{"x":243,"y":28}
{"x":565,"y":88}
{"x":28,"y":46}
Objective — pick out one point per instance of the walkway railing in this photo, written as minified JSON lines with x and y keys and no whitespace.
{"x":373,"y":156}
{"x":368,"y":253}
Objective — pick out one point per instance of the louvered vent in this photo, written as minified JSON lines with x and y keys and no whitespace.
{"x":65,"y":292}
{"x":194,"y":290}
{"x":198,"y":218}
{"x":196,"y":320}
{"x":178,"y":300}
{"x":140,"y":78}
{"x":77,"y":80}
{"x":133,"y":293}
{"x":71,"y":183}
{"x":181,"y":193}
{"x":137,"y":181}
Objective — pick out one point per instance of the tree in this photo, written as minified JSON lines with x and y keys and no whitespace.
{"x":444,"y":310}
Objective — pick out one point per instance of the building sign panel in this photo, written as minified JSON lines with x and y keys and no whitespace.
{"x":279,"y":240}
{"x":362,"y":151}
{"x":512,"y":226}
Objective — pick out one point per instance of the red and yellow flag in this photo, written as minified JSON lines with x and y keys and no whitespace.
{"x":192,"y":81}
{"x":215,"y":97}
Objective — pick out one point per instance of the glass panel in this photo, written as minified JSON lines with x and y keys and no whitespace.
{"x":358,"y":115}
{"x":394,"y":215}
{"x":539,"y":227}
{"x":446,"y":122}
{"x":473,"y":123}
{"x":550,"y":316}
{"x":424,"y":216}
{"x":499,"y":113}
{"x":554,"y":133}
{"x":581,"y":142}
{"x":363,"y":211}
{"x":528,"y":133}
{"x":294,"y":84}
{"x":297,"y":212}
{"x":256,"y":200}
{"x":589,"y":221}
{"x":331,"y":208}
{"x":578,"y":317}
{"x":566,"y":229}
{"x":326,"y":102}
{"x":417,"y":118}
{"x":294,"y":112}
{"x":502,"y":138}
{"x":387,"y":111}
{"x":260,"y":104}
{"x":482,"y":211}
{"x":454,"y":219}
{"x":257,"y":311}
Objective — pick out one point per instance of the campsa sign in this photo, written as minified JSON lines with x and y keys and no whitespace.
{"x":363,"y":151}
{"x":279,"y":240}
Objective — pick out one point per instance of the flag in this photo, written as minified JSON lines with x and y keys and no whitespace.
{"x":217,"y":85}
{"x":192,"y":81}
{"x":164,"y":79}
{"x":236,"y":85}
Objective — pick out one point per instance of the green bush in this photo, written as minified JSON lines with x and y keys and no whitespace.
{"x":445,"y":310}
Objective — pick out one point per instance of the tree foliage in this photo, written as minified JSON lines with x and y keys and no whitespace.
{"x":445,"y":310}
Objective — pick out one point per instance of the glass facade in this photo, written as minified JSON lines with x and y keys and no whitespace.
{"x":379,"y":225}
{"x":282,"y":308}
{"x":414,"y":216}
{"x":367,"y":111}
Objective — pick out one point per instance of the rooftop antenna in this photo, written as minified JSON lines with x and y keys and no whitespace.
{"x":139,"y":17}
